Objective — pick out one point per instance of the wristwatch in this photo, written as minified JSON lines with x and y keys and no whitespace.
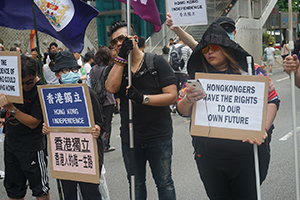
{"x":13,"y":112}
{"x":146,"y":100}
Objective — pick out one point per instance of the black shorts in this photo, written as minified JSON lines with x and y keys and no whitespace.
{"x":22,"y":166}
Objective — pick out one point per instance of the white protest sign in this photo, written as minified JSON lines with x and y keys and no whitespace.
{"x":74,"y":156}
{"x":232,"y":106}
{"x":10,"y":76}
{"x":188,"y":12}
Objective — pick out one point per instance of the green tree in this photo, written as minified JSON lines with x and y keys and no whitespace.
{"x":284,"y":6}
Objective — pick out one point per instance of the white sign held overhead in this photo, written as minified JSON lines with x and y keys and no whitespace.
{"x":188,"y":12}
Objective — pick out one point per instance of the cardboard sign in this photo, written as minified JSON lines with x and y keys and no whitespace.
{"x":74,"y":156}
{"x":10,"y":76}
{"x":67,"y":108}
{"x":235,"y":107}
{"x":188,"y":12}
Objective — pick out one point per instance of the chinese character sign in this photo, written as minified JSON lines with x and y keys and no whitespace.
{"x":10,"y":76}
{"x":188,"y":12}
{"x":232,"y":105}
{"x":66,"y":107}
{"x":76,"y":154}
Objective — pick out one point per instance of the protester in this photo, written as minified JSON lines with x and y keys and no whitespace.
{"x":24,"y":144}
{"x":226,"y":167}
{"x":181,"y":74}
{"x":67,"y":71}
{"x":291,"y":63}
{"x":102,"y":60}
{"x":166,"y":49}
{"x":34,"y":53}
{"x":49,"y":74}
{"x":184,"y":52}
{"x":88,"y":59}
{"x":284,"y":49}
{"x":151,"y":94}
{"x":270,"y":51}
{"x":142,"y":43}
{"x":52,"y":47}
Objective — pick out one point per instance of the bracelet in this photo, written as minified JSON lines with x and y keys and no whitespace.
{"x":120,"y":59}
{"x":120,"y":62}
{"x":189,"y":102}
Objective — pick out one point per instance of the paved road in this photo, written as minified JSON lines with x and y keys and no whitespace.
{"x":279,"y":184}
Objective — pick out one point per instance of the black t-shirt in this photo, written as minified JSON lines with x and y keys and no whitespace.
{"x":150,"y":123}
{"x":19,"y":136}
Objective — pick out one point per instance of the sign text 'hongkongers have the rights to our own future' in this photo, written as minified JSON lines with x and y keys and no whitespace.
{"x":232,"y":104}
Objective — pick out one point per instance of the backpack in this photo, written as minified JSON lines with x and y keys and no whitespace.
{"x":150,"y":68}
{"x":176,"y":61}
{"x":98,"y":85}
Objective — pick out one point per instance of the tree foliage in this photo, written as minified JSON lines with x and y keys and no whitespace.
{"x":284,"y":5}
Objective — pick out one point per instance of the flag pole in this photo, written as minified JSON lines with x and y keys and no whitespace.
{"x":255,"y":148}
{"x":292,"y":74}
{"x":131,"y":135}
{"x":37,"y":42}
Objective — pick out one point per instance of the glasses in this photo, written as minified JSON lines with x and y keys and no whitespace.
{"x":213,"y":47}
{"x":67,"y":70}
{"x":29,"y":82}
{"x":120,"y":38}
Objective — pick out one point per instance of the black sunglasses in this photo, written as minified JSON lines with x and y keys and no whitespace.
{"x":120,"y":38}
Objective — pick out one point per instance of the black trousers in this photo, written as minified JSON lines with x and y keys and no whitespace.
{"x":108,"y":113}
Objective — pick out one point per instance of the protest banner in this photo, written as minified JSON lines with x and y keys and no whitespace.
{"x":235,"y":107}
{"x":67,"y":108}
{"x":74,"y":156}
{"x":10,"y":76}
{"x":188,"y":12}
{"x":67,"y":111}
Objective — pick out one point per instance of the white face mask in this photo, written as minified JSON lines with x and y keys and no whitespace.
{"x":231,"y":35}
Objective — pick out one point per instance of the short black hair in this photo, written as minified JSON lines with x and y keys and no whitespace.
{"x":29,"y":66}
{"x":119,"y":24}
{"x":34,"y":49}
{"x":141,"y":42}
{"x":53,"y":43}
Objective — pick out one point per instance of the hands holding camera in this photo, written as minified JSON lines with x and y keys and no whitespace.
{"x":126,"y":47}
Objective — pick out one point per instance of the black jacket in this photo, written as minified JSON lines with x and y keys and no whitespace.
{"x":215,"y":34}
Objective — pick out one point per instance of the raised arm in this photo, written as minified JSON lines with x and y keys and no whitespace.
{"x":184,"y":36}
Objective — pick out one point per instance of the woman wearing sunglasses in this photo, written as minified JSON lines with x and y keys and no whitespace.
{"x":226,"y":167}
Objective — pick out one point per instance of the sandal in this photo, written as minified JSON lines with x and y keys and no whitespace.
{"x":110,"y":148}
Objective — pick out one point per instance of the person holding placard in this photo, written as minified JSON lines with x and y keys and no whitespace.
{"x":291,"y":63}
{"x":226,"y":166}
{"x":25,"y":144}
{"x":153,"y":89}
{"x":67,"y":72}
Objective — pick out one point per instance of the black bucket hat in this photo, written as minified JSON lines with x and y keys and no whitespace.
{"x":65,"y":59}
{"x":215,"y":34}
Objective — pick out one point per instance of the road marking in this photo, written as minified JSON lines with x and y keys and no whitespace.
{"x":282,"y":79}
{"x":287,"y":136}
